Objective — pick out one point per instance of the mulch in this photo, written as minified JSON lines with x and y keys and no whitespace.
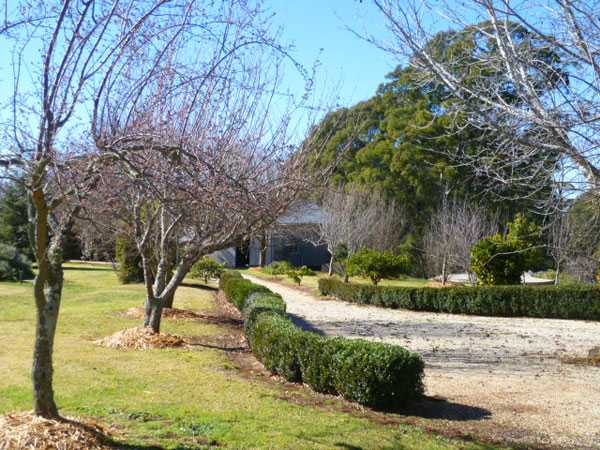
{"x":26,"y":431}
{"x":140,"y":338}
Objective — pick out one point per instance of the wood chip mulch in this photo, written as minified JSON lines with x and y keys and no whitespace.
{"x":140,"y":338}
{"x":27,"y":431}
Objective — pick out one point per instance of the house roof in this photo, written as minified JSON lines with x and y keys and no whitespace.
{"x":302,"y":213}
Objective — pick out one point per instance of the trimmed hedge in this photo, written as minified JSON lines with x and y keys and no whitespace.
{"x":370,"y":373}
{"x":552,"y":302}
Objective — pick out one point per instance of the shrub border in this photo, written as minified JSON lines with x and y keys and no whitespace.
{"x":370,"y":373}
{"x":550,"y":302}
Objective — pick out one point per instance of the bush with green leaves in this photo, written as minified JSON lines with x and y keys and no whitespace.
{"x":501,"y":260}
{"x":298,"y":273}
{"x":552,"y":302}
{"x":129,"y":262}
{"x":206,"y":268}
{"x":376,"y":265}
{"x":14,"y":266}
{"x":277,"y":268}
{"x":370,"y":373}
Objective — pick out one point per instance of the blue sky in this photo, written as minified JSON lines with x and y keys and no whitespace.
{"x":317,"y":28}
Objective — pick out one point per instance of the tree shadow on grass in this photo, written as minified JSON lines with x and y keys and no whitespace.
{"x":90,"y":269}
{"x":105,"y":439}
{"x":202,"y":287}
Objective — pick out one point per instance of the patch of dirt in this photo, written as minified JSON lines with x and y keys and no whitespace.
{"x":140,"y":338}
{"x":167,"y":313}
{"x":180,"y":314}
{"x":27,"y":431}
{"x":226,"y":310}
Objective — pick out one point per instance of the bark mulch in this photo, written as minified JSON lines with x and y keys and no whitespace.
{"x":29,"y":432}
{"x":140,"y":338}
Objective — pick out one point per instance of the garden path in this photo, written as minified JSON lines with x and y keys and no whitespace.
{"x":512,"y":367}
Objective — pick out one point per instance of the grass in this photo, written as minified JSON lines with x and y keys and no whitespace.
{"x":565,"y":279}
{"x":174,"y":398}
{"x":312,"y":282}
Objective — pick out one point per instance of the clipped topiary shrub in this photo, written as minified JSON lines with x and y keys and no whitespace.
{"x":376,"y":265}
{"x":14,"y":266}
{"x":206,"y":268}
{"x":374,"y":374}
{"x":554,"y":302}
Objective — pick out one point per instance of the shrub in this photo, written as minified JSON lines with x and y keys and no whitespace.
{"x":277,"y":268}
{"x":373,"y":374}
{"x":495,"y":261}
{"x":206,"y":268}
{"x":299,"y":273}
{"x":129,"y":262}
{"x":376,"y":265}
{"x":14,"y":265}
{"x":568,"y":302}
{"x":499,"y":260}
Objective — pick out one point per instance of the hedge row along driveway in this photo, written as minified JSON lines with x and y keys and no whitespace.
{"x":550,"y":302}
{"x":374,"y":374}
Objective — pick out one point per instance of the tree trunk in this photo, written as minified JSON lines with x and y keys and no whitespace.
{"x":262,"y":256}
{"x":152,"y":314}
{"x":330,"y":272}
{"x":557,"y":274}
{"x":42,"y":369}
{"x":47,"y":291}
{"x":168,"y":300}
{"x":444,"y":276}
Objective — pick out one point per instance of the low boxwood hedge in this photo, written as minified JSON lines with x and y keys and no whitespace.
{"x":370,"y":373}
{"x":554,"y":302}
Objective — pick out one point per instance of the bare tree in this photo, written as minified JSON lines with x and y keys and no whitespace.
{"x":106,"y":57}
{"x":530,"y":81}
{"x":454,"y":229}
{"x":353,"y":218}
{"x":203,"y":161}
{"x":560,"y":242}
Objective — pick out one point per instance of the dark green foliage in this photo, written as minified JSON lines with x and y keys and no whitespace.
{"x":277,"y":268}
{"x":496,"y":261}
{"x":228,"y":275}
{"x":499,"y":260}
{"x":14,"y":266}
{"x":377,"y":265}
{"x":238,"y":290}
{"x":129,"y":262}
{"x":367,"y":373}
{"x":374,"y":374}
{"x":553,"y":302}
{"x":14,"y":223}
{"x":275,"y":341}
{"x":206,"y":268}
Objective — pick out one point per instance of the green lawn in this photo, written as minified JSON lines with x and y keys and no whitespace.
{"x":311,"y":282}
{"x":171,"y":398}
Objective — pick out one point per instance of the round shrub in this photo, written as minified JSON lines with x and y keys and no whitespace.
{"x":206,"y":268}
{"x":376,"y":265}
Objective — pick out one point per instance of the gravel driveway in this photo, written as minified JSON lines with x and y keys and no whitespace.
{"x":504,"y":375}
